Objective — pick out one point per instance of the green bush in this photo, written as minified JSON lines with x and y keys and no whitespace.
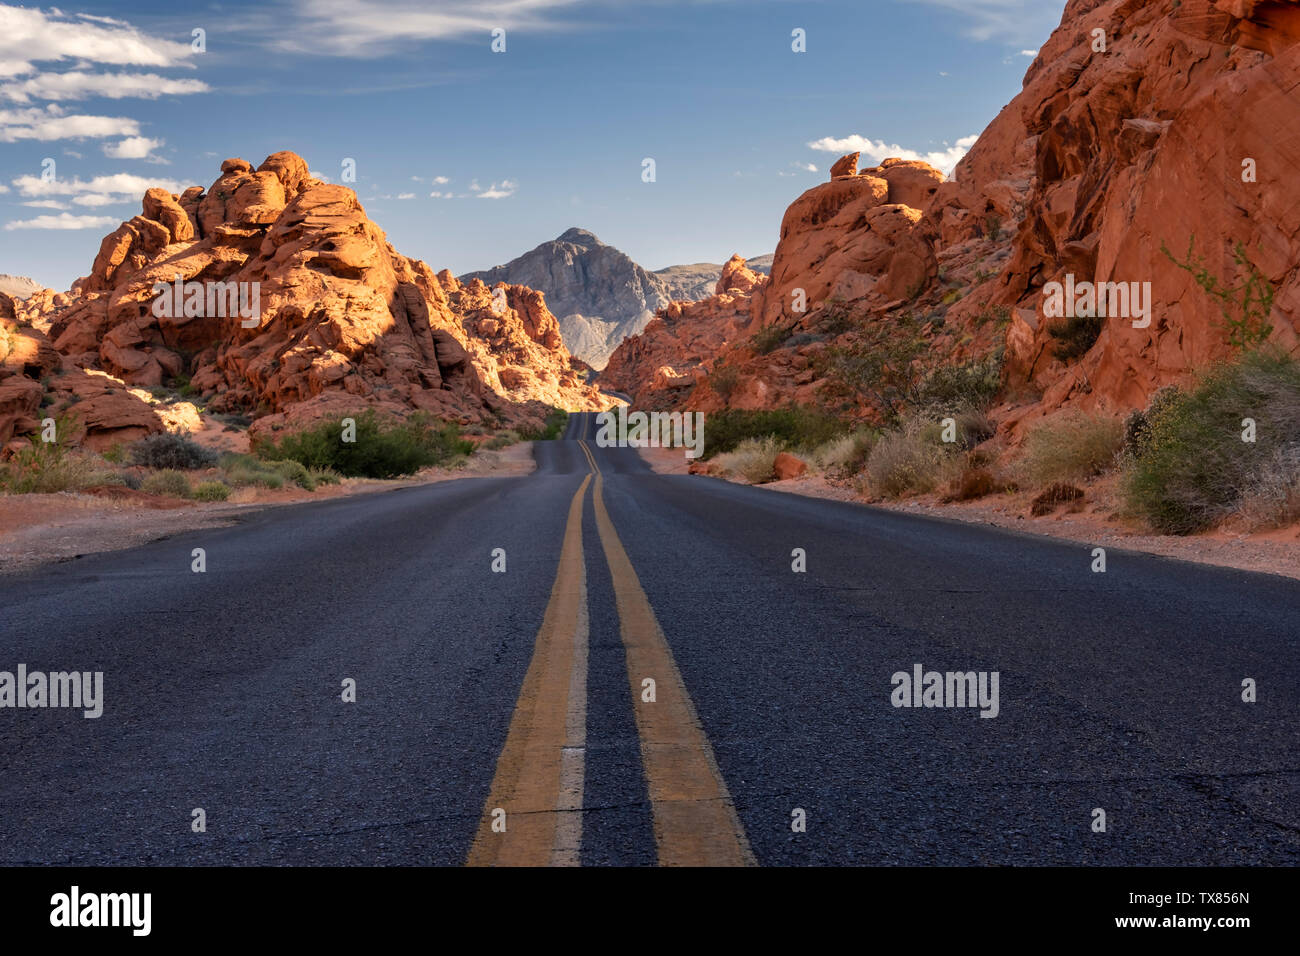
{"x":242,"y":471}
{"x":556,"y":419}
{"x":172,"y":451}
{"x":325,"y":476}
{"x":294,"y":471}
{"x":1195,"y":468}
{"x":382,"y":449}
{"x":794,"y":426}
{"x":167,"y":482}
{"x":211,"y":491}
{"x":48,"y":467}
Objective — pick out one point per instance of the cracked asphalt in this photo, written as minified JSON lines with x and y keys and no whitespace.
{"x":1118,"y":691}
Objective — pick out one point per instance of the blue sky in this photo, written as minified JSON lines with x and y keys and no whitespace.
{"x":519,"y":145}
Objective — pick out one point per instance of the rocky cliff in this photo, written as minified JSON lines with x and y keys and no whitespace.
{"x":1146,"y":132}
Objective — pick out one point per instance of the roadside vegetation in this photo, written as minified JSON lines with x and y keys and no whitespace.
{"x":175,"y":466}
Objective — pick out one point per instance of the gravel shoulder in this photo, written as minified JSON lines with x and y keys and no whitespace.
{"x":39,"y":529}
{"x":1096,"y":521}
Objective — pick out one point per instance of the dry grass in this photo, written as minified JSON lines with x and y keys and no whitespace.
{"x":754,"y":459}
{"x":1071,"y":447}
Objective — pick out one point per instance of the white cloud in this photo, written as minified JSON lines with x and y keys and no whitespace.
{"x":438,"y":195}
{"x":371,"y":27}
{"x":315,"y":175}
{"x":31,"y":35}
{"x":52,"y":123}
{"x":45,"y":203}
{"x":106,"y":190}
{"x":62,"y":221}
{"x":944,"y":160}
{"x":3,"y":188}
{"x":406,"y":195}
{"x":806,"y":167}
{"x":77,"y":85}
{"x":97,"y":199}
{"x":441,"y":180}
{"x":1006,"y":20}
{"x":1029,"y":53}
{"x":133,"y":147}
{"x":502,"y":190}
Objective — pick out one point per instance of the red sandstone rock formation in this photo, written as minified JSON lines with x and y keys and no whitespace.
{"x":343,"y":320}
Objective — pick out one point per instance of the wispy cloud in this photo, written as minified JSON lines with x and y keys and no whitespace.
{"x":78,"y":85}
{"x":1010,"y":21}
{"x":371,"y":27}
{"x":62,"y":221}
{"x":944,"y":160}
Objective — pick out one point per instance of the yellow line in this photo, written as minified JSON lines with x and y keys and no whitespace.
{"x":695,"y":821}
{"x":539,"y":775}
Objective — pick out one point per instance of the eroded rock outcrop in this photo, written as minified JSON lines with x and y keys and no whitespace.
{"x":314,"y":311}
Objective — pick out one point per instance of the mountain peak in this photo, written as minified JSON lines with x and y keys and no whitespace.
{"x":580,"y":237}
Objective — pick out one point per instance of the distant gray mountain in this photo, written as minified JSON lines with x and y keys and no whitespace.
{"x":597,"y":292}
{"x":20,"y":287}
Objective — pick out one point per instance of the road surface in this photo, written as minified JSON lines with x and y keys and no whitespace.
{"x":504,"y":716}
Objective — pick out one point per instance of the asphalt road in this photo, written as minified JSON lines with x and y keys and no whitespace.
{"x":524,"y":691}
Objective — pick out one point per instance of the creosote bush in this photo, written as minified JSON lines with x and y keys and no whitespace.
{"x":1198,"y":464}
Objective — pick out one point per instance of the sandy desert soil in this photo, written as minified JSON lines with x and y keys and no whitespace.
{"x":35,"y":529}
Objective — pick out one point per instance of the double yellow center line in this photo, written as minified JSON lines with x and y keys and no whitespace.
{"x":533,"y":813}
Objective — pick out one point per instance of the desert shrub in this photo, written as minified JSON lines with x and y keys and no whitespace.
{"x":326,"y":476}
{"x":48,"y":467}
{"x":211,"y":491}
{"x":724,"y":379}
{"x":972,"y":483}
{"x":1137,"y":426}
{"x":795,"y":426}
{"x":769,"y":338}
{"x":1075,"y":336}
{"x":501,"y":440}
{"x":754,"y":459}
{"x":169,"y":482}
{"x":1271,"y":498}
{"x":176,"y":452}
{"x":116,"y":453}
{"x":556,"y":419}
{"x":1195,"y":468}
{"x":972,"y":384}
{"x":1071,"y":448}
{"x":294,"y":471}
{"x":911,"y":460}
{"x":242,"y":471}
{"x":382,"y":449}
{"x":1053,"y":496}
{"x":843,"y":456}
